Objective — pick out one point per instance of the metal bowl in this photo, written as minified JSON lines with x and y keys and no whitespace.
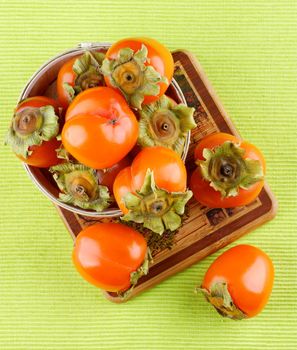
{"x":43,"y":82}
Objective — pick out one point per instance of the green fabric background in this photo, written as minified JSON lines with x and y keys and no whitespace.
{"x":249,"y":52}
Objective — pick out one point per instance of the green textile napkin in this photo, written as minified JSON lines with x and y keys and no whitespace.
{"x":249,"y":51}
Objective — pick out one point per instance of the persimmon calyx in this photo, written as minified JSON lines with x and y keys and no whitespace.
{"x":162,"y":123}
{"x":129,"y":73}
{"x":87,"y":69}
{"x":79,"y":186}
{"x":221,"y":300}
{"x":30,"y":127}
{"x":143,"y":269}
{"x":62,"y":153}
{"x":135,"y":275}
{"x":227,"y":170}
{"x":155,"y":208}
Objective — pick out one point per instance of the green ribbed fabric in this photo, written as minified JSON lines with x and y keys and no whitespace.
{"x":249,"y":52}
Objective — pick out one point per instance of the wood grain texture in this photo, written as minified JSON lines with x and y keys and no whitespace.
{"x":205,"y":230}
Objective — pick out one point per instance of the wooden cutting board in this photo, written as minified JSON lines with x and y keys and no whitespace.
{"x":205,"y":230}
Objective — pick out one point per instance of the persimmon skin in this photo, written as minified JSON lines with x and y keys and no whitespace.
{"x":105,"y":255}
{"x":249,"y":274}
{"x":121,"y":186}
{"x":159,"y":56}
{"x":65,"y":75}
{"x":37,"y":101}
{"x":207,"y":195}
{"x":169,"y":170}
{"x":43,"y":156}
{"x":106,"y":177}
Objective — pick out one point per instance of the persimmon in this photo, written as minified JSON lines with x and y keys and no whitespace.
{"x":110,"y":256}
{"x":33,"y":131}
{"x":140,"y":68}
{"x":239,"y":282}
{"x":153,"y":190}
{"x":100,"y":128}
{"x":230,"y":172}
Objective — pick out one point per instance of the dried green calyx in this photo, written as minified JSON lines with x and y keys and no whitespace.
{"x":155,"y":208}
{"x":62,"y":153}
{"x":163,"y":123}
{"x":135,"y":275}
{"x":30,"y":127}
{"x":79,"y":186}
{"x":129,"y":73}
{"x":88,"y":73}
{"x":221,"y":300}
{"x":227,"y":170}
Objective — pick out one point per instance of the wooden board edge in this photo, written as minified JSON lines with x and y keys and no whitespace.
{"x":274,"y":203}
{"x":211,"y":90}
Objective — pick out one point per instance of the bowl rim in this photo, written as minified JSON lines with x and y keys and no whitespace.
{"x":80,"y":48}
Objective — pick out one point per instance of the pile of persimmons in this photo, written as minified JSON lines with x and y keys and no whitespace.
{"x":112,"y":135}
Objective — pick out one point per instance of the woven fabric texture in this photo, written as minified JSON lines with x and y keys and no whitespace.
{"x":248,"y":49}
